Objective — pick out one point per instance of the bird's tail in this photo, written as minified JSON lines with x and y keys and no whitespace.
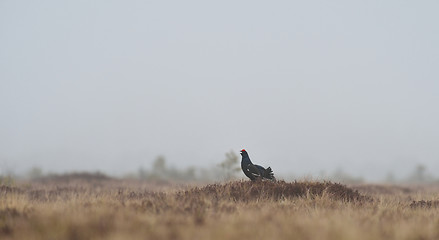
{"x":269,"y":174}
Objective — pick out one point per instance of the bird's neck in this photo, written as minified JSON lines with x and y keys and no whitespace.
{"x":246,"y":160}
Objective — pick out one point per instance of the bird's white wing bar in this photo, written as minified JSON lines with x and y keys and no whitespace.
{"x":253,"y":170}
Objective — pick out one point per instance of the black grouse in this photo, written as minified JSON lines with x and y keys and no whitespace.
{"x":254,"y":171}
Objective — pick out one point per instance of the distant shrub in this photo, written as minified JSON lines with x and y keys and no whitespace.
{"x":75,"y":176}
{"x":230,"y":166}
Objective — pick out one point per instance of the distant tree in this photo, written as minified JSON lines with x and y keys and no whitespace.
{"x":230,"y":165}
{"x":390,"y":178}
{"x":420,"y":175}
{"x":35,"y":173}
{"x":190,"y":173}
{"x":159,"y":164}
{"x":341,"y":176}
{"x":159,"y":170}
{"x":142,"y":173}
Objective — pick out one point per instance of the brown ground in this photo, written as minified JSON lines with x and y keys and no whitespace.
{"x":115,"y":209}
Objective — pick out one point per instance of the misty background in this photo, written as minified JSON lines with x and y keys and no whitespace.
{"x":306,"y":87}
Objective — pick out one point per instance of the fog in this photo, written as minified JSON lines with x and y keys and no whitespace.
{"x":304,"y":86}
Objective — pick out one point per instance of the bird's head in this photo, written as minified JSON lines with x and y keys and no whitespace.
{"x":243,"y":152}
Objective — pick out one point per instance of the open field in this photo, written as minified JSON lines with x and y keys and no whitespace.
{"x":116,"y":209}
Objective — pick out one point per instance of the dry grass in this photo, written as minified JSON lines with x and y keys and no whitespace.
{"x":109,"y":209}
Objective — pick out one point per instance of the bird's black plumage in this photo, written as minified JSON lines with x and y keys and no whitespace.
{"x":254,"y":171}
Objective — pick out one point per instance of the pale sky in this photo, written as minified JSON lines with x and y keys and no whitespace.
{"x":304,"y":86}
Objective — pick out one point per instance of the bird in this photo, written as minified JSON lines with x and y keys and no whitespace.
{"x":253,"y":171}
